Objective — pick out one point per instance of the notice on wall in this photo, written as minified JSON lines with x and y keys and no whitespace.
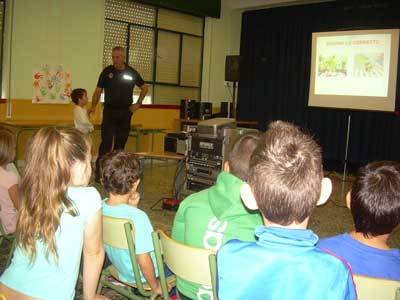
{"x":51,"y":85}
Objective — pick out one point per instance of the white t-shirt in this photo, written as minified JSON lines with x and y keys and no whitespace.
{"x":81,"y":120}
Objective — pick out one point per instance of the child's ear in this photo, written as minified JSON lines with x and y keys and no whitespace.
{"x":135,"y":185}
{"x":348,"y":199}
{"x":248,"y":197}
{"x":226,"y":167}
{"x":326,"y":190}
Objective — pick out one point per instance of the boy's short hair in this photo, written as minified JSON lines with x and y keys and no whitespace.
{"x":286,"y":174}
{"x":7,"y":146}
{"x":375,"y":198}
{"x":240,"y":154}
{"x":77,"y":94}
{"x":119,"y":170}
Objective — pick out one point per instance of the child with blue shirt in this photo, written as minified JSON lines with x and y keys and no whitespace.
{"x":59,"y":221}
{"x":285,"y":183}
{"x":120,"y":172}
{"x":374,"y":201}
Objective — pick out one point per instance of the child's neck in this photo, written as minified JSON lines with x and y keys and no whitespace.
{"x":114,"y":200}
{"x":379,"y":241}
{"x":294,"y":225}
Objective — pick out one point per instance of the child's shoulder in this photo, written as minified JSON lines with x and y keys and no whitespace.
{"x":8,"y":177}
{"x":84,"y":194}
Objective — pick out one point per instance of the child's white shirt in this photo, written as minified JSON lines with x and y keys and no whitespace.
{"x":81,"y":120}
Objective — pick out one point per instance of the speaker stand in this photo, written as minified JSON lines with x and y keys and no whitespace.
{"x":234,"y":100}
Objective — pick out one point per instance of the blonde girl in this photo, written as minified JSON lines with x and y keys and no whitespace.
{"x":59,"y":216}
{"x":9,"y":188}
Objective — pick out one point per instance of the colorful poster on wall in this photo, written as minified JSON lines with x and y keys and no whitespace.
{"x":51,"y":85}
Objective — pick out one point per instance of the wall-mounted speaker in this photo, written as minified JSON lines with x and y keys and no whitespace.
{"x":232,"y":68}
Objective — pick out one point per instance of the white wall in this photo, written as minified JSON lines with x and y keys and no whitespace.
{"x":70,"y":33}
{"x":54,"y":32}
{"x":221,"y":38}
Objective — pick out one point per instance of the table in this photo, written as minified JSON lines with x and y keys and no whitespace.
{"x":24,"y":125}
{"x":137,"y":130}
{"x":247,"y":124}
{"x":142,"y":156}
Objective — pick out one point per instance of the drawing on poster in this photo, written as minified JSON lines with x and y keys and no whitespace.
{"x":51,"y":85}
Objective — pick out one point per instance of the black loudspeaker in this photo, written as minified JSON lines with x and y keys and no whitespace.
{"x":226,"y":109}
{"x":183,"y":109}
{"x":193,"y":109}
{"x":205,"y":110}
{"x":232,"y":68}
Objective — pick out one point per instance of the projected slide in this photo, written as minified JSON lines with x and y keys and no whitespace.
{"x":354,"y":69}
{"x":354,"y":65}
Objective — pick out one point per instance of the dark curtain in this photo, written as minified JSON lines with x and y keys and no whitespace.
{"x":275,"y":75}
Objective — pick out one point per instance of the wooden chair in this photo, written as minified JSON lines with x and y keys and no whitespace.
{"x":193,"y":264}
{"x":372,"y":288}
{"x":120,"y":233}
{"x":9,"y":237}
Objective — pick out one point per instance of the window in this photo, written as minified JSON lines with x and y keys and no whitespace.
{"x":164,"y":46}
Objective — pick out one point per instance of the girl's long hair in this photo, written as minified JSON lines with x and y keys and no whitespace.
{"x":49,"y":156}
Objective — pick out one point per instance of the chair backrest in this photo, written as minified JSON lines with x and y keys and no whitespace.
{"x":114,"y":233}
{"x":120,"y":233}
{"x":193,"y":264}
{"x":372,"y":288}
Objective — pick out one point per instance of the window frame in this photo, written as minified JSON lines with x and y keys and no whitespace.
{"x":153,"y":82}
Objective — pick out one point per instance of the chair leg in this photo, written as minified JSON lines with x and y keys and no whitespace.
{"x":100,"y":286}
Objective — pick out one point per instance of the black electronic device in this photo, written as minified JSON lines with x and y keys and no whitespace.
{"x":183,"y":109}
{"x":232,"y":68}
{"x":176,"y":143}
{"x":205,"y":110}
{"x":226,"y":110}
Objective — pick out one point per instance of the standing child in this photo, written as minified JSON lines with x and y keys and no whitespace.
{"x":374,"y":201}
{"x":9,"y":188}
{"x":286,"y":183}
{"x":59,"y":216}
{"x":120,"y":177}
{"x":81,"y":117}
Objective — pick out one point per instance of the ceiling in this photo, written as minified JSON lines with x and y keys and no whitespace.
{"x":256,"y":4}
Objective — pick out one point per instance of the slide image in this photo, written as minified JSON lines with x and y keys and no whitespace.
{"x":368,"y":64}
{"x":332,"y":66}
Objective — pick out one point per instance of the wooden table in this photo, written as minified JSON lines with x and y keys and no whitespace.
{"x":247,"y":124}
{"x":142,"y":156}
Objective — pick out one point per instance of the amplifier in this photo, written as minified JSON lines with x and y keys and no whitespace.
{"x":176,"y":143}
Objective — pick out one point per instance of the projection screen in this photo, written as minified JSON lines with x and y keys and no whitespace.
{"x":354,"y":69}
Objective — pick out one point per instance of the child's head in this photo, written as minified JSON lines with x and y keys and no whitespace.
{"x":239,"y":156}
{"x":7,"y":146}
{"x":55,"y":159}
{"x":375,"y":198}
{"x":120,"y":172}
{"x":286,"y":175}
{"x":79,"y":97}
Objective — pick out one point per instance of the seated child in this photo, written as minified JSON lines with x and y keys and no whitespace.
{"x":81,"y":118}
{"x":120,"y":177}
{"x":374,"y":201}
{"x":9,"y":182}
{"x":213,"y":216}
{"x":286,"y":183}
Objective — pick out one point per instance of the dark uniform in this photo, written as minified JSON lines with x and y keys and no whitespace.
{"x":118,"y":92}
